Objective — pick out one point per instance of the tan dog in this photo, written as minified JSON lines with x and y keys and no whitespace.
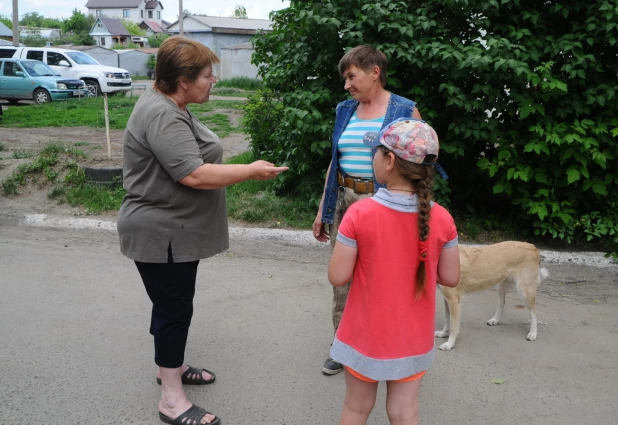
{"x":484,"y":267}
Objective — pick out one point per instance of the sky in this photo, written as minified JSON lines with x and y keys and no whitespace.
{"x":256,"y":9}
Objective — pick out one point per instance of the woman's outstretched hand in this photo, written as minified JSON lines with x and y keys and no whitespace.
{"x":263,"y":170}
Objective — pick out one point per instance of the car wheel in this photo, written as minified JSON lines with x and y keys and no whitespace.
{"x":94,"y":89}
{"x":41,"y":96}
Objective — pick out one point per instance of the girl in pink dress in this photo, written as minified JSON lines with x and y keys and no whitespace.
{"x":395,"y":247}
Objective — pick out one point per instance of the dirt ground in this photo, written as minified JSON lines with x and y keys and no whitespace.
{"x":96,"y":148}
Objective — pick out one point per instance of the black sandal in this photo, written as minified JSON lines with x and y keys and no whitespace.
{"x":187,"y":380}
{"x":192,"y":416}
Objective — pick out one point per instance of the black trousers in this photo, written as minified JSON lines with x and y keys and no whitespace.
{"x":171,"y":288}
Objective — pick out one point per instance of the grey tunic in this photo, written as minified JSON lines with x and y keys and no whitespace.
{"x":162,"y":145}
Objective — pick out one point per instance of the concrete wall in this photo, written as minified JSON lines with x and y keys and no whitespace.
{"x":134,"y":62}
{"x":103,"y":56}
{"x":216,"y":42}
{"x":237,"y":63}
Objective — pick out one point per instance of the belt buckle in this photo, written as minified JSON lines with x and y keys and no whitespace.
{"x":359,"y":180}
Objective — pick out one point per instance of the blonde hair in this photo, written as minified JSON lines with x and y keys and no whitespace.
{"x":181,"y":59}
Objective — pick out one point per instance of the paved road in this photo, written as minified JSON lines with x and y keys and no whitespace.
{"x":75,"y":347}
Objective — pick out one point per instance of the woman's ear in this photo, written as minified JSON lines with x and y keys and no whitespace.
{"x":375,"y":72}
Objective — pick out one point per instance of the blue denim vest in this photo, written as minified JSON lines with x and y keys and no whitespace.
{"x":398,"y":107}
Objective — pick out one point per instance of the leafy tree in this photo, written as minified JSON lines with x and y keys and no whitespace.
{"x":133,"y":27}
{"x":6,"y":21}
{"x":521,"y":93}
{"x":78,"y":26}
{"x":240,"y":12}
{"x":36,"y":20}
{"x":32,"y":19}
{"x":78,"y":23}
{"x":157,"y":39}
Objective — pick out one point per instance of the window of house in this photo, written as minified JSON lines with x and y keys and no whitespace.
{"x":102,"y":41}
{"x":158,"y":14}
{"x":142,"y":14}
{"x":100,"y":25}
{"x":35,"y":54}
{"x":126,"y":13}
{"x":99,"y":14}
{"x":150,"y":14}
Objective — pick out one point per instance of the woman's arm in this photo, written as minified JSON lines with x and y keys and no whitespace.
{"x":319,"y":229}
{"x":217,"y":176}
{"x":416,"y":114}
{"x":341,"y":266}
{"x":448,"y":267}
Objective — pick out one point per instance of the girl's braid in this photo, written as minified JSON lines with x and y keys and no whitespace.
{"x":423,"y":193}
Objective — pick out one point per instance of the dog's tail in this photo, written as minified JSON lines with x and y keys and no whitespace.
{"x":543,"y":274}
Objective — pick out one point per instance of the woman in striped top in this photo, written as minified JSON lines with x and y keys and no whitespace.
{"x":350,"y":176}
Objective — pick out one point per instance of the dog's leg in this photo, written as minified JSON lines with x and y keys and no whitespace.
{"x":503,"y":288}
{"x":530,"y":298}
{"x":455,"y":319}
{"x":446,"y":329}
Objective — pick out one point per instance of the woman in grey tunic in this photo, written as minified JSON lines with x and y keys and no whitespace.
{"x":174,"y":212}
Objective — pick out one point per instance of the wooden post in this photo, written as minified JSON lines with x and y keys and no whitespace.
{"x":109,"y":144}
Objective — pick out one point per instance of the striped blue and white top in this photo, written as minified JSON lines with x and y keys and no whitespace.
{"x":354,"y":157}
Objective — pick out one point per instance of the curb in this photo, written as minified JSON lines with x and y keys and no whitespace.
{"x":297,"y":238}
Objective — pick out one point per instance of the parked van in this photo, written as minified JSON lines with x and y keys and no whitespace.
{"x":75,"y":65}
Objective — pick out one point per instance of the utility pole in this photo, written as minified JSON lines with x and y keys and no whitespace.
{"x":16,"y":24}
{"x":181,"y":13}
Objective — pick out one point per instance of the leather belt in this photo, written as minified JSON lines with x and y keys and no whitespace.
{"x":360,"y":186}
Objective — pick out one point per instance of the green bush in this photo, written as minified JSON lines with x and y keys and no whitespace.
{"x":152,"y":61}
{"x":274,"y":137}
{"x":157,"y":39}
{"x":521,"y":93}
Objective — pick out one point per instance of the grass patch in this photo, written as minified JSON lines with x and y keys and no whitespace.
{"x":22,"y":154}
{"x":56,"y":167}
{"x":219,"y":124}
{"x":2,"y":147}
{"x":89,"y":112}
{"x":84,"y":112}
{"x":217,"y":104}
{"x":140,"y":77}
{"x":254,"y":202}
{"x":231,"y":92}
{"x":243,"y":83}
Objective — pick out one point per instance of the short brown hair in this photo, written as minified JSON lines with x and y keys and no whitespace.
{"x":365,"y":57}
{"x":181,"y":59}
